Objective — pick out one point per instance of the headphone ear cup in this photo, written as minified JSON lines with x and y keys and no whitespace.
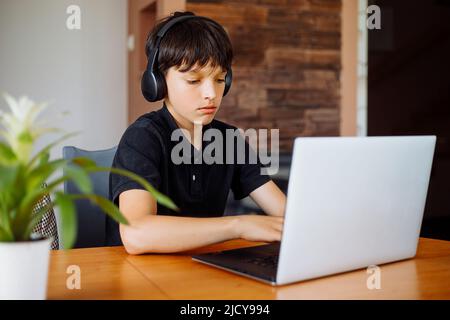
{"x":153,"y":86}
{"x":148,"y":86}
{"x":161,"y":87}
{"x":228,"y":80}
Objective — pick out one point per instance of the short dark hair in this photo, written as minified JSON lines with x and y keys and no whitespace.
{"x":190,"y":42}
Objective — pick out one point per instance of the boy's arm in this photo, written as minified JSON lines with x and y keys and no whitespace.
{"x":149,"y":232}
{"x":270,"y":199}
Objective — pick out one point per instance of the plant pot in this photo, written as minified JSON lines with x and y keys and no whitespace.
{"x":24,"y":269}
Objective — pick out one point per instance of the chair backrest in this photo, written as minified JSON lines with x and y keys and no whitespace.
{"x":91,"y":219}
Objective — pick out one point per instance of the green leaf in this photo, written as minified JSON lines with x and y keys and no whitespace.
{"x":11,"y":186}
{"x":53,"y":184}
{"x":27,"y":204}
{"x":84,"y":162}
{"x":7,"y":155}
{"x":42,"y":172}
{"x":4,"y":216}
{"x":43,"y":158}
{"x":5,"y":227}
{"x":5,"y":236}
{"x":68,"y":219}
{"x":161,"y":198}
{"x":80,"y":177}
{"x":8,"y":176}
{"x":25,"y":137}
{"x":107,"y":206}
{"x":47,"y":148}
{"x":33,"y":196}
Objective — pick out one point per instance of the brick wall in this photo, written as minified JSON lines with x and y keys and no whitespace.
{"x":287,"y":64}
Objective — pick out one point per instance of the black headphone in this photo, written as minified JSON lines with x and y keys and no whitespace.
{"x":153,"y":84}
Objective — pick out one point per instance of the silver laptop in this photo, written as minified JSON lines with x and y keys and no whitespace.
{"x":352,"y":202}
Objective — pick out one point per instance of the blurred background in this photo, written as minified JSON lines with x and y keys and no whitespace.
{"x":305,"y":67}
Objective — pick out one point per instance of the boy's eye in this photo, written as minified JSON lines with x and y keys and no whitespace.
{"x":197,"y":81}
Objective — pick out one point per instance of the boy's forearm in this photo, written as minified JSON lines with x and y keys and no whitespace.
{"x":163,"y":234}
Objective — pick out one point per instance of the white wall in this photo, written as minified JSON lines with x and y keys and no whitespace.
{"x":80,"y":71}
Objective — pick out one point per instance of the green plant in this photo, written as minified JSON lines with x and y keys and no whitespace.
{"x":22,"y":176}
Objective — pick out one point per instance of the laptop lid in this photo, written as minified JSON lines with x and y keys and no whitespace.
{"x":353,"y":202}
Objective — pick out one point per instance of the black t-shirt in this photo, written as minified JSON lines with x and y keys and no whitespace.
{"x":198,"y":189}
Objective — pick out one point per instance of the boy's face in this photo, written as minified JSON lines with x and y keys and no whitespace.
{"x":195,"y":96}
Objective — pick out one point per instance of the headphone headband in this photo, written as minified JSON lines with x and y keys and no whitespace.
{"x":169,"y":24}
{"x":153,"y":54}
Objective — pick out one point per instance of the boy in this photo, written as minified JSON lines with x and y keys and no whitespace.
{"x":194,"y":56}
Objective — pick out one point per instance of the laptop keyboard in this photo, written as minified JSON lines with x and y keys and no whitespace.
{"x":268,"y":261}
{"x":258,"y":261}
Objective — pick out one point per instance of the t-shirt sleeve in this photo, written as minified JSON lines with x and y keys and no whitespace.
{"x":247,"y":176}
{"x":139,"y":151}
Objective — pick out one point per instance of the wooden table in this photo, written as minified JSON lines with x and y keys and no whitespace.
{"x":110,"y":273}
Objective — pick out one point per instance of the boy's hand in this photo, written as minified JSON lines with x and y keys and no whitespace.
{"x":259,"y":228}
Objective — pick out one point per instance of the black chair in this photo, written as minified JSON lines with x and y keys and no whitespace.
{"x":91,"y":219}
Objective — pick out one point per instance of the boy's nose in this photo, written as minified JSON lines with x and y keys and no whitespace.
{"x":209,"y":90}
